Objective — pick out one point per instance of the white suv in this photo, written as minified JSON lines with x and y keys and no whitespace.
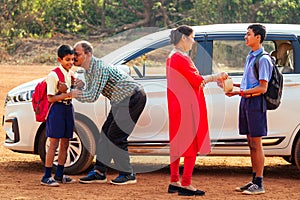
{"x":218,"y":48}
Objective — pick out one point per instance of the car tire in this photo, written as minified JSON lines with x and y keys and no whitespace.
{"x":81,"y":149}
{"x":289,"y":159}
{"x":297,"y":154}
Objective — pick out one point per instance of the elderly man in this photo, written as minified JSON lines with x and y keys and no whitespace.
{"x":127,"y":99}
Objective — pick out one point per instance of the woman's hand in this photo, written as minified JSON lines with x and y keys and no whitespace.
{"x":202,"y":85}
{"x":222,"y":76}
{"x":220,"y":79}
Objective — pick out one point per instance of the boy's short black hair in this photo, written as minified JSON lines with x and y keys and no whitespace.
{"x":258,"y":29}
{"x":64,"y":50}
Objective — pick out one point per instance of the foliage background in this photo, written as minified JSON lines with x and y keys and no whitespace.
{"x":24,"y":20}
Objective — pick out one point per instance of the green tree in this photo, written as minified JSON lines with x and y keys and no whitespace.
{"x":246,"y":11}
{"x":101,"y":18}
{"x":61,"y":15}
{"x":111,"y":16}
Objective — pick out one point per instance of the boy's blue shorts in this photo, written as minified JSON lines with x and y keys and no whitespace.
{"x":60,"y":121}
{"x":253,"y":116}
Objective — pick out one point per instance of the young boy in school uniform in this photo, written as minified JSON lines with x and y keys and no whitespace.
{"x":60,"y":120}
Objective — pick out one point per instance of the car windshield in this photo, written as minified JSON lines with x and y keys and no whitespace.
{"x":113,"y":49}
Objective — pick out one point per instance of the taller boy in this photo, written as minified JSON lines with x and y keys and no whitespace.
{"x":252,"y":112}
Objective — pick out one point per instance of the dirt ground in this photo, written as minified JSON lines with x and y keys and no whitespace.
{"x":20,"y":174}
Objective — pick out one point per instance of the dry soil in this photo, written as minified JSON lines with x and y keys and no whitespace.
{"x":20,"y":174}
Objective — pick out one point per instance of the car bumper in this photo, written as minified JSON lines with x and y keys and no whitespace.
{"x":20,"y":127}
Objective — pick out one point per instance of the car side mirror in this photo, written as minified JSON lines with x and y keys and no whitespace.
{"x":125,"y":68}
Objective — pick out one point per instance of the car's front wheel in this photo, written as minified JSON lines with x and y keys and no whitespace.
{"x":81,"y":149}
{"x":289,"y":159}
{"x":297,"y":154}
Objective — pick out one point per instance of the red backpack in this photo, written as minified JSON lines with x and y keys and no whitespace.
{"x":40,"y":103}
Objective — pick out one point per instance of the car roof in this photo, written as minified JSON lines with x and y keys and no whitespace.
{"x":242,"y":27}
{"x":231,"y":28}
{"x":154,"y":38}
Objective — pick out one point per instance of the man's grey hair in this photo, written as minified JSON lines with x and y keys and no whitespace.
{"x":86,"y":46}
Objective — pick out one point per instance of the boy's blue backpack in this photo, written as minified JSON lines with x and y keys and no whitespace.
{"x":40,"y":103}
{"x":275,"y":85}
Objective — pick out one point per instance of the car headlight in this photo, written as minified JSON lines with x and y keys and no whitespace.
{"x":25,"y":96}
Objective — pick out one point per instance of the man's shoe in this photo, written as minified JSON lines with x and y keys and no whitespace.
{"x":123,"y":179}
{"x":243,"y":188}
{"x":173,"y":188}
{"x":93,"y":177}
{"x":254,"y":189}
{"x":186,"y":192}
{"x":64,"y":179}
{"x":49,"y":182}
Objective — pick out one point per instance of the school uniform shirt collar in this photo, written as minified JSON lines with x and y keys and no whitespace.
{"x":67,"y":75}
{"x":255,"y":53}
{"x":63,"y":70}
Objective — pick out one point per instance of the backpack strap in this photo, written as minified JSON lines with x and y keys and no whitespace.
{"x":72,"y":80}
{"x":60,"y":75}
{"x":256,"y":63}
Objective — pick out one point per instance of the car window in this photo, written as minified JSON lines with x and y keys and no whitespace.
{"x":151,"y":64}
{"x":284,"y":55}
{"x":230,"y":55}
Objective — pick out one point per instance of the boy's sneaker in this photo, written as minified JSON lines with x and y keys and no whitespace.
{"x":243,"y":188}
{"x":124,"y":179}
{"x":93,"y":177}
{"x":254,"y":189}
{"x":64,"y":179}
{"x":49,"y":182}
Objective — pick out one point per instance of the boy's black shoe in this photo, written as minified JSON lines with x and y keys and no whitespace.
{"x":254,"y":189}
{"x":93,"y":177}
{"x":244,"y":187}
{"x":49,"y":182}
{"x":124,"y":179}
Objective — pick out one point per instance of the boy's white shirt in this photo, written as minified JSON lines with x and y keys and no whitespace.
{"x":52,"y":81}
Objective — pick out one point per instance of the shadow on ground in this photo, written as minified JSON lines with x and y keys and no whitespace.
{"x":279,"y":171}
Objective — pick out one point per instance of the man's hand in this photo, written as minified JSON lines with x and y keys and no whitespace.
{"x":79,"y":84}
{"x":76,"y":93}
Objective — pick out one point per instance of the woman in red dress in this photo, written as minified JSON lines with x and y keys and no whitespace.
{"x":188,"y":123}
